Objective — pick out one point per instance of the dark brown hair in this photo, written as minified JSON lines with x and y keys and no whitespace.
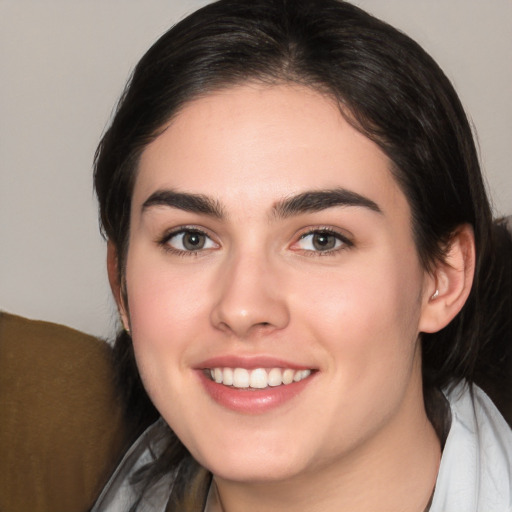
{"x":387,"y":86}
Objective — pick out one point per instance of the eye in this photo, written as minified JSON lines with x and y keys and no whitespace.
{"x":322,"y":240}
{"x":189,"y":240}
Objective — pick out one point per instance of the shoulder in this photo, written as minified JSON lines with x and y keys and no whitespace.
{"x":476,"y":467}
{"x":123,"y":491}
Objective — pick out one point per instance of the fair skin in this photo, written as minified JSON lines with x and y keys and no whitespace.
{"x":266,"y":232}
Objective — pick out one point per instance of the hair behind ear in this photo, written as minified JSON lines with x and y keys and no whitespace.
{"x":493,"y":371}
{"x":476,"y":345}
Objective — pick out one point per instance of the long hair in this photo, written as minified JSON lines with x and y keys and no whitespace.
{"x":386,"y":86}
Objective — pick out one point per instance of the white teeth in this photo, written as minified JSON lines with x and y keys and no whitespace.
{"x":301,"y":375}
{"x":288,"y":375}
{"x":258,"y":378}
{"x":227,"y":376}
{"x":305,"y":374}
{"x":240,"y":378}
{"x":275,"y":377}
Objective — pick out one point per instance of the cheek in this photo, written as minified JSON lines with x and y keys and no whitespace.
{"x":167,"y":313}
{"x":162,"y":300}
{"x":368,"y":314}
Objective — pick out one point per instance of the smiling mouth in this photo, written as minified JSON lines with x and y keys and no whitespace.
{"x":258,"y":378}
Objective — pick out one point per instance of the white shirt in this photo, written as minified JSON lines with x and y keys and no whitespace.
{"x":475,"y":474}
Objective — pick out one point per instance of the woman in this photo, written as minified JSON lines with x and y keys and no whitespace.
{"x":301,"y":249}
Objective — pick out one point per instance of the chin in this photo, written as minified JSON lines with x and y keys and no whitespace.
{"x":255,"y":471}
{"x":254,"y":459}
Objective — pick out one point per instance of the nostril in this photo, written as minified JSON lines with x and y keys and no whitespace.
{"x":240,"y":312}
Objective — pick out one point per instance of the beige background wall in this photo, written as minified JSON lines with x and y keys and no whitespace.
{"x":62,"y":66}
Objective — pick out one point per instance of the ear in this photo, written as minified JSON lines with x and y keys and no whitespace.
{"x":114,"y":278}
{"x":449,"y":284}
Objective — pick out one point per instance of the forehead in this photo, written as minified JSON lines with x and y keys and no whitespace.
{"x":262,"y":143}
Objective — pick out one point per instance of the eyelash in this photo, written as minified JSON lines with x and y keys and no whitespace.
{"x":184,"y":230}
{"x":345,"y":242}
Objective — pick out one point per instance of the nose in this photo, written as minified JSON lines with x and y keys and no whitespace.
{"x":250,"y":297}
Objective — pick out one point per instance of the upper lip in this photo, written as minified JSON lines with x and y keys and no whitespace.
{"x":251,"y":362}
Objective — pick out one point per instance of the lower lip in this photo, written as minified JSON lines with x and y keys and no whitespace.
{"x":253,"y":401}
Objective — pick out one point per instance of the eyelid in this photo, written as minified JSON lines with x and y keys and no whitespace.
{"x":171,"y":233}
{"x":346,"y":242}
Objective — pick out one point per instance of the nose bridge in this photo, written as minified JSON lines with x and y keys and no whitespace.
{"x":249,"y":295}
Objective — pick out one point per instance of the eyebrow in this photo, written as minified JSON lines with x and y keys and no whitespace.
{"x":196,"y":203}
{"x":318,"y":200}
{"x":308,"y":201}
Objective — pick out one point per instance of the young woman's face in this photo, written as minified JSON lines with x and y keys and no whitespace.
{"x":271,"y":248}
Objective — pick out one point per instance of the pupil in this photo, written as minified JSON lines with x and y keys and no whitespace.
{"x":324,"y":241}
{"x":193,"y":241}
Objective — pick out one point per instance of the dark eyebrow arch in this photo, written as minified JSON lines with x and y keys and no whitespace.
{"x":196,"y":203}
{"x":318,"y":200}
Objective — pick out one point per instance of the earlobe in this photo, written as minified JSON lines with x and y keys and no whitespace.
{"x":114,"y":278}
{"x":449,"y":285}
